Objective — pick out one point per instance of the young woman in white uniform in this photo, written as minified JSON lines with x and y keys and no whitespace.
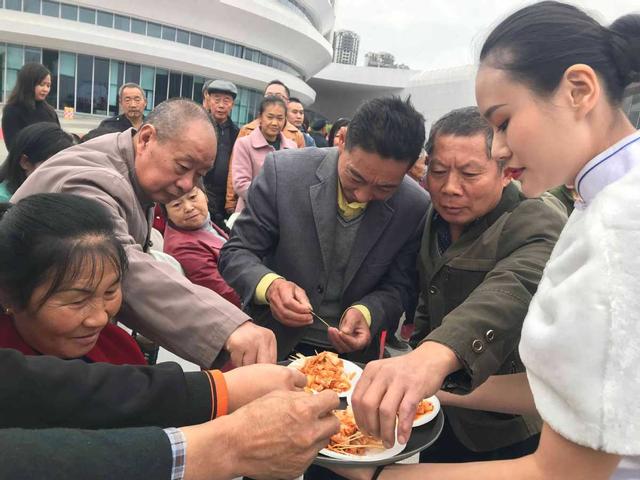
{"x":551,"y":81}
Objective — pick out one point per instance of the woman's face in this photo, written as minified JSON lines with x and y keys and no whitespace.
{"x":69,"y":322}
{"x":272,"y":121}
{"x":540,"y":138}
{"x":43,"y":88}
{"x":189,"y":211}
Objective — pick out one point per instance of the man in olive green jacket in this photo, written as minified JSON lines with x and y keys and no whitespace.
{"x":482,"y":255}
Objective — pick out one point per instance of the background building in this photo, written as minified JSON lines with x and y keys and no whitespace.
{"x":380,"y":60}
{"x":169,"y":48}
{"x":345,"y":47}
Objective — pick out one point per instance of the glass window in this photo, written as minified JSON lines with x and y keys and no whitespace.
{"x":198,"y":83}
{"x":84,"y":84}
{"x":50,"y":60}
{"x":219,"y":46}
{"x":174,"y":84}
{"x":162,"y":83}
{"x":138,"y":26}
{"x":122,"y":23}
{"x":87,"y":15}
{"x":13,"y":4}
{"x":70,"y":12}
{"x":32,"y":55}
{"x":132,"y":73}
{"x":15,"y":60}
{"x":168,"y":33}
{"x":2,"y":59}
{"x":31,"y":6}
{"x":154,"y":30}
{"x":67,"y":82}
{"x":51,"y":9}
{"x":195,"y":40}
{"x":229,"y":48}
{"x":116,"y":79}
{"x":207,"y":43}
{"x":183,"y":37}
{"x":146,"y":82}
{"x":100,"y":86}
{"x":187,"y":86}
{"x":105,"y":19}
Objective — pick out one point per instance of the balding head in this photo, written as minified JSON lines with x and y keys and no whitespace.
{"x":174,"y":149}
{"x":172,"y":117}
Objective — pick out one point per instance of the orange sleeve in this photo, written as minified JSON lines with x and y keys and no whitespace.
{"x":219,"y":393}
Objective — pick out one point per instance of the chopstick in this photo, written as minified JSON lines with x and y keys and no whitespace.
{"x":319,"y":318}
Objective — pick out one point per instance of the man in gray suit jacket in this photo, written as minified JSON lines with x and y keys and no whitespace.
{"x":336,"y":232}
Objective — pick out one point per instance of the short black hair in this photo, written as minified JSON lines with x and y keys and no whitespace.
{"x":38,"y":142}
{"x":337,"y":125}
{"x":278,"y":82}
{"x":388,"y":126}
{"x":50,"y":237}
{"x":272,"y":100}
{"x":295,"y":100}
{"x":461,"y":122}
{"x":537,"y":44}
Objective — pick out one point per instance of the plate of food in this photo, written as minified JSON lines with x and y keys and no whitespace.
{"x":354,"y":446}
{"x":327,"y":371}
{"x":426,"y":411}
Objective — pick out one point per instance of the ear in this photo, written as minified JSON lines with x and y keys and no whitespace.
{"x":505,"y":176}
{"x":581,"y":88}
{"x":26,"y":165}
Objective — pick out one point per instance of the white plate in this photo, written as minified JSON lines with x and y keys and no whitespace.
{"x":349,"y":367}
{"x":371,"y":454}
{"x":427,"y":417}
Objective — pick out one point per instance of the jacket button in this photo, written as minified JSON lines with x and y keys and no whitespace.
{"x":319,"y":289}
{"x":477,"y":346}
{"x":433,"y":290}
{"x":490,"y":336}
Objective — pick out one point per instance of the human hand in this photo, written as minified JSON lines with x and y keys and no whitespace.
{"x":354,"y":333}
{"x":393,"y":387}
{"x":279,"y":435}
{"x":246,"y":384}
{"x":249,"y":344}
{"x":289,"y":303}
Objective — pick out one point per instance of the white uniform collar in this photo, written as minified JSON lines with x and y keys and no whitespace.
{"x":608,"y":167}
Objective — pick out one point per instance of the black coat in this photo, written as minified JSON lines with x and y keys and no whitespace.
{"x":16,"y":117}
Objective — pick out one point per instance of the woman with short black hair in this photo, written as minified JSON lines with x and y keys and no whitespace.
{"x":27,"y":102}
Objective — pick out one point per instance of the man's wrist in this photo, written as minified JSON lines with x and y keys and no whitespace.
{"x":442,"y":359}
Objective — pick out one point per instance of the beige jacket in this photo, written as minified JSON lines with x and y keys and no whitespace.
{"x":189,"y":320}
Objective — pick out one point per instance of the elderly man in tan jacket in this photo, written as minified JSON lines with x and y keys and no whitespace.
{"x":127,"y":172}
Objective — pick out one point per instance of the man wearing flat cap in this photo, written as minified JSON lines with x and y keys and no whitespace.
{"x":218,"y":97}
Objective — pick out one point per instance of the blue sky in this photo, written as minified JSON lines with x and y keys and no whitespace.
{"x":431,"y":34}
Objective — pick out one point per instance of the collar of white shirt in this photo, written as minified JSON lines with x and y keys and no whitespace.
{"x":606,"y":168}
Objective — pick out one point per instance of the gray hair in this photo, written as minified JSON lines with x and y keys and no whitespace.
{"x":172,"y":116}
{"x":130,"y":85}
{"x":462,"y":122}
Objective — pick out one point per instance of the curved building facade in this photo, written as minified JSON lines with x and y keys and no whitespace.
{"x":169,"y":48}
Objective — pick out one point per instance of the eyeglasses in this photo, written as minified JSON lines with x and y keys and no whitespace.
{"x":221,"y":100}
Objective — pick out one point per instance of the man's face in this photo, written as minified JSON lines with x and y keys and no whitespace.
{"x":367,"y":176}
{"x":277,"y":90}
{"x":463,"y":182}
{"x":220,"y":106}
{"x":295,"y":114}
{"x":132,"y":103}
{"x":167,"y":170}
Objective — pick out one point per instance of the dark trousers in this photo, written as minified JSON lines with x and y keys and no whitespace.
{"x":448,"y":449}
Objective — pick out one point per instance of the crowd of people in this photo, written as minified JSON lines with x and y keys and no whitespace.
{"x":276,"y":238}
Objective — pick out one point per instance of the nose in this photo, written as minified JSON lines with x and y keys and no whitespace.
{"x":499,"y":148}
{"x":98,"y":317}
{"x":363,"y":195}
{"x":185,"y":183}
{"x":452,"y":185}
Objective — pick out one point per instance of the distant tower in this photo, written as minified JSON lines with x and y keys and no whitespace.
{"x":345,"y":47}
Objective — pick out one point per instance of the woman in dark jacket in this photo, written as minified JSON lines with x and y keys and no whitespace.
{"x":26,"y":104}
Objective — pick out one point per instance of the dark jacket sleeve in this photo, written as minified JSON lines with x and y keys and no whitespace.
{"x":12,"y":123}
{"x":501,"y":301}
{"x":44,"y":392}
{"x":398,"y":287}
{"x":60,"y":454}
{"x":253,"y":236}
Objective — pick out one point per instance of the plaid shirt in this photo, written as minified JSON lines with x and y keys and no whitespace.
{"x":178,"y":451}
